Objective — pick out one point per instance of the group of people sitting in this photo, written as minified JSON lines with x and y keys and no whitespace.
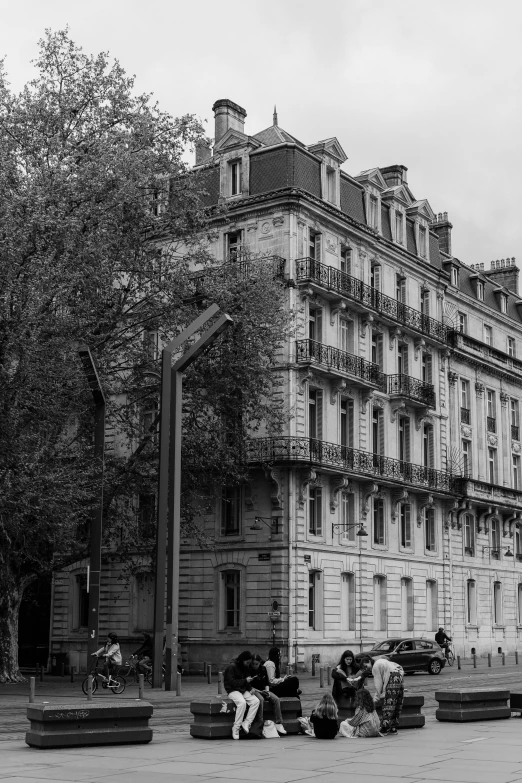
{"x":250,"y":681}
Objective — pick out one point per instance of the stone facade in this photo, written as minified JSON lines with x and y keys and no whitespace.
{"x":390,"y":504}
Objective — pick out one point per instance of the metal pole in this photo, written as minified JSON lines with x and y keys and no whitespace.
{"x":328,"y":675}
{"x":458,"y":661}
{"x":141,"y":685}
{"x":321,"y":677}
{"x":209,"y":674}
{"x":503,"y":659}
{"x":178,"y":684}
{"x":516,"y":657}
{"x":220,"y":683}
{"x":474,"y":661}
{"x":89,"y":687}
{"x":32,"y":686}
{"x":489,"y":659}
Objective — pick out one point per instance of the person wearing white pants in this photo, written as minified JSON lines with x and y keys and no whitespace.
{"x":237,"y":681}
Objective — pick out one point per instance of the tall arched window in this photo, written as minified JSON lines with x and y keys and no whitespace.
{"x":469,"y":534}
{"x":432,"y":605}
{"x":497,"y":603}
{"x":347,"y":602}
{"x":380,"y":608}
{"x":519,"y":604}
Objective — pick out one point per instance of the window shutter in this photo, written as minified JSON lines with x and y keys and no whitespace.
{"x":407,"y":525}
{"x":403,"y":290}
{"x":431,"y":455}
{"x":428,"y":368}
{"x":319,"y":324}
{"x":319,"y":414}
{"x":406,"y":426}
{"x":426,"y":303}
{"x":318,"y":511}
{"x":381,"y":432}
{"x":377,"y":278}
{"x":318,"y":247}
{"x":405,"y":367}
{"x":350,"y":417}
{"x":379,"y":352}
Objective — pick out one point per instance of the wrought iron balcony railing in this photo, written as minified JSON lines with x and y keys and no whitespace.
{"x":239,"y":264}
{"x":405,"y":386}
{"x":333,"y":279}
{"x":308,"y":350}
{"x":290,"y":449}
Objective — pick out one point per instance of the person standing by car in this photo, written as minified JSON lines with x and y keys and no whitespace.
{"x":388,"y":678}
{"x":442,"y":639}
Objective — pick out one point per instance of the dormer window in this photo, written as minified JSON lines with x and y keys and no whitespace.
{"x":399,"y":227}
{"x":503,"y":303}
{"x":235,"y":178}
{"x":480,"y":290}
{"x":423,"y":252}
{"x":374,"y":212}
{"x":455,"y":276}
{"x":331,"y":183}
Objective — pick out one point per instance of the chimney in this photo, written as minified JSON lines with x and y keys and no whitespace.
{"x":203,"y":151}
{"x":504,"y":272}
{"x":442,"y":228}
{"x":394,"y":175}
{"x":228,"y":115}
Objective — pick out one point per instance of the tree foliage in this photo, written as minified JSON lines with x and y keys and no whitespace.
{"x":101,"y":223}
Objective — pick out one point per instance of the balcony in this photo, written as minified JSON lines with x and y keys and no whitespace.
{"x":345,"y":459}
{"x":239,"y":265}
{"x":413,"y":389}
{"x":332,"y":279}
{"x":309,"y":351}
{"x":506,"y":499}
{"x":465,"y":415}
{"x":491,"y":424}
{"x":481,"y":350}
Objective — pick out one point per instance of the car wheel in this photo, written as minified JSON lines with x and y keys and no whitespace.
{"x":434,"y":666}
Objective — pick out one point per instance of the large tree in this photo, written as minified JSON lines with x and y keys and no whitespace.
{"x":101,"y":223}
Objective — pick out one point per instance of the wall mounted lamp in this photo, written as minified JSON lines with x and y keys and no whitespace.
{"x":341,"y":528}
{"x":271,"y":522}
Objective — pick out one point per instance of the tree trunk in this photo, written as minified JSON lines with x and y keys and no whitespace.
{"x":10,"y":599}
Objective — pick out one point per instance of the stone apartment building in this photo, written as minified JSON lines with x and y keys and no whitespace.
{"x":390,"y":504}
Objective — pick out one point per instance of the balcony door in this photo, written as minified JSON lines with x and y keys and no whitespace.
{"x":315,"y":414}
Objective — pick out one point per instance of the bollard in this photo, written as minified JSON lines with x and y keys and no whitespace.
{"x":62,"y":670}
{"x":321,"y":677}
{"x":489,"y":659}
{"x":72,"y":673}
{"x":209,"y":673}
{"x":204,"y":668}
{"x":458,"y":661}
{"x":32,"y":686}
{"x":89,"y":687}
{"x":141,"y":685}
{"x":328,"y":675}
{"x":313,"y":666}
{"x":474,"y":661}
{"x":178,"y":684}
{"x":220,"y":683}
{"x":516,"y":657}
{"x":503,"y":659}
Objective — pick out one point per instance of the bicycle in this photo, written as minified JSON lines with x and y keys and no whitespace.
{"x":450,"y":655}
{"x":116,"y":683}
{"x":132,"y":668}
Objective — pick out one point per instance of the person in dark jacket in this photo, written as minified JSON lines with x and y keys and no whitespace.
{"x":145,"y":654}
{"x":263,"y":693}
{"x":344,"y":683}
{"x":324,"y":718}
{"x":238,"y":684}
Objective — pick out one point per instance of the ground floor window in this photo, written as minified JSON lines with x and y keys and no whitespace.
{"x":348,"y":602}
{"x":231,"y":604}
{"x":471,"y":590}
{"x":432,"y":607}
{"x":407,"y":604}
{"x":380,"y":610}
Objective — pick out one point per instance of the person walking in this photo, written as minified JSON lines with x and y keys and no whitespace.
{"x":281,"y":686}
{"x":237,"y":681}
{"x":388,"y":678}
{"x":263,"y":693}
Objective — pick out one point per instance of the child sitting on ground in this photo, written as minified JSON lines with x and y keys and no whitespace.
{"x":365,"y":722}
{"x":322,"y":723}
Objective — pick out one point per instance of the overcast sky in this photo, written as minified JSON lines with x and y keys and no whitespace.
{"x":435,"y":86}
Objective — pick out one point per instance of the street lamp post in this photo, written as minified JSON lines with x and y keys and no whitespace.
{"x":342,"y":527}
{"x":93,"y":581}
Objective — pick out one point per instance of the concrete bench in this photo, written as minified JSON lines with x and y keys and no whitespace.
{"x":411,"y":715}
{"x":88,"y":723}
{"x":460,"y":706}
{"x":213,"y":717}
{"x":515,"y":703}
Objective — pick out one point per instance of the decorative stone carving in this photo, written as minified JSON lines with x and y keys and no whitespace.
{"x":338,"y":484}
{"x":452,"y":377}
{"x":307,"y":478}
{"x":479,"y":389}
{"x":448,"y":509}
{"x":331,"y":244}
{"x":335,"y":308}
{"x":444,"y":354}
{"x":396,"y":333}
{"x":305,"y":376}
{"x":420,"y":345}
{"x":515,"y":446}
{"x":481,"y":520}
{"x":365,"y":322}
{"x":399,"y":497}
{"x":276,"y":484}
{"x":492,"y":439}
{"x":423,"y":418}
{"x":367,"y":395}
{"x":265,"y":228}
{"x":504,"y":399}
{"x":395,"y":408}
{"x":423,"y":501}
{"x":337,"y":388}
{"x":368,"y":491}
{"x":307,"y":293}
{"x":378,"y":402}
{"x":466,"y":431}
{"x":278,"y":220}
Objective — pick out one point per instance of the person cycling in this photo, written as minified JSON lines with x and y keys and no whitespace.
{"x":145,"y":654}
{"x":442,"y":639}
{"x":111,"y":654}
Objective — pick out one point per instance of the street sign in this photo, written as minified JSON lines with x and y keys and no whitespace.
{"x":274,"y":615}
{"x":263,"y":556}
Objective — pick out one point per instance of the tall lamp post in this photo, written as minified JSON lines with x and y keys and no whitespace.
{"x":169,"y":490}
{"x":93,"y":581}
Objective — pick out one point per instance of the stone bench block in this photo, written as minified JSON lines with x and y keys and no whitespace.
{"x":460,"y":706}
{"x":411,"y":715}
{"x":88,"y":723}
{"x":214,"y":717}
{"x":515,"y":702}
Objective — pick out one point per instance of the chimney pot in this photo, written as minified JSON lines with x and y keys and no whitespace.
{"x":228,"y":114}
{"x":394,"y":175}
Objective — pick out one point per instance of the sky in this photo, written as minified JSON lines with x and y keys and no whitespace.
{"x":433,"y":86}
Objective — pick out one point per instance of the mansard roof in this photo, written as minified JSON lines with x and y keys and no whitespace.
{"x":372,"y":177}
{"x":235,"y":138}
{"x":276,"y":135}
{"x":422,"y":207}
{"x":398,"y":193}
{"x":329,"y":147}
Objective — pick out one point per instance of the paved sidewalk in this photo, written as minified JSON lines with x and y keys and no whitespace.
{"x":487,"y":752}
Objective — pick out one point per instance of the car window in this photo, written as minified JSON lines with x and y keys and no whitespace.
{"x":405,"y":646}
{"x":387,"y":646}
{"x":422,"y":644}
